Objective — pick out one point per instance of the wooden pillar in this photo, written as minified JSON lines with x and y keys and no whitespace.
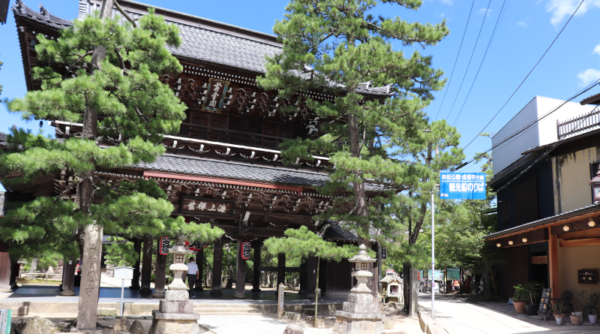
{"x":256,"y":272}
{"x":135,"y":282}
{"x":147,"y":264}
{"x":553,"y":264}
{"x":68,"y":282}
{"x":199,"y":263}
{"x":217,"y":267}
{"x":240,"y":281}
{"x":160,"y":273}
{"x":311,"y":277}
{"x":14,"y":272}
{"x":280,"y":269}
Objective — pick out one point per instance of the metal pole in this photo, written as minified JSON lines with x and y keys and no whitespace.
{"x":122,"y":293}
{"x":432,"y":255}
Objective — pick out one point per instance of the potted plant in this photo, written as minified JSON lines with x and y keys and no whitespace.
{"x":559,"y":313}
{"x":533,"y":291}
{"x":520,"y":298}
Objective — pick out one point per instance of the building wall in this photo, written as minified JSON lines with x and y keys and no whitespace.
{"x":542,"y":133}
{"x":571,"y":174}
{"x":571,"y":259}
{"x":511,"y":198}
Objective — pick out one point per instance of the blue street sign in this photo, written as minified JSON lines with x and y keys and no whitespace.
{"x":462,"y":185}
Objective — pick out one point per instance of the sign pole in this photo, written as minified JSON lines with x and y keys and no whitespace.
{"x":432,"y":255}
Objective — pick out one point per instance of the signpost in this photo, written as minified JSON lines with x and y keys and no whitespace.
{"x":123,"y":272}
{"x":384,"y":253}
{"x":454,"y":186}
{"x":280,"y":298}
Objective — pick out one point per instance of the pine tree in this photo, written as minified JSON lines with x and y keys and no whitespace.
{"x":338,"y":47}
{"x":111,"y":85}
{"x":302,"y":243}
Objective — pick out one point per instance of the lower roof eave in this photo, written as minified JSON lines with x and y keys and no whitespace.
{"x":562,"y":218}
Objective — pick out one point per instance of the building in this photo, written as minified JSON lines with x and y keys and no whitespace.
{"x":547,"y":220}
{"x":226,"y":154}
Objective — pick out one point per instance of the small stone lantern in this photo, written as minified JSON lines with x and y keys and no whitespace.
{"x":360,"y":314}
{"x":176,"y":311}
{"x":595,"y":183}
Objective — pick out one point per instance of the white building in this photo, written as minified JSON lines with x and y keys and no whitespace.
{"x":542,"y":133}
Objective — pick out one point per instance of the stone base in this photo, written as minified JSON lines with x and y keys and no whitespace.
{"x":347,"y":326}
{"x":239,"y":295}
{"x":6,"y":288}
{"x":67,"y":293}
{"x":166,"y":323}
{"x":184,"y":307}
{"x":216,"y":292}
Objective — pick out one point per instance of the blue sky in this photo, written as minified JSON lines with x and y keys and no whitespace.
{"x":525,"y":31}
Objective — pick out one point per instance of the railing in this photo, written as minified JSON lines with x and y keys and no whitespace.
{"x":578,"y":124}
{"x":229,"y":136}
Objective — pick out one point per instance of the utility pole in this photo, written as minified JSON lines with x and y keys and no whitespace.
{"x":433,"y":253}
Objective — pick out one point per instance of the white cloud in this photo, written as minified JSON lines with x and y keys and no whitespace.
{"x":562,"y":9}
{"x":485,"y":11}
{"x":588,"y":76}
{"x":522,"y":24}
{"x":447,"y":2}
{"x":597,"y":49}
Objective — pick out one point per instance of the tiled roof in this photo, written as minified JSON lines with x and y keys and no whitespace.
{"x":198,"y":42}
{"x":2,"y":139}
{"x":241,"y":171}
{"x":43,"y":16}
{"x":336,"y":233}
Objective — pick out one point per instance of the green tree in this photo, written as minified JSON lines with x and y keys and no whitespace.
{"x":112,"y":86}
{"x":338,"y":47}
{"x":302,"y":243}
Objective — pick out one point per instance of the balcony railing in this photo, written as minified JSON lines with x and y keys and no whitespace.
{"x":578,"y":124}
{"x":229,"y":136}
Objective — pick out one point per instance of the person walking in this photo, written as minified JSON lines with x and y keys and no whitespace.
{"x":192,"y":275}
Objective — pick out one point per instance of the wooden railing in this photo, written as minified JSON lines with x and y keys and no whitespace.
{"x":578,"y":124}
{"x":229,"y":136}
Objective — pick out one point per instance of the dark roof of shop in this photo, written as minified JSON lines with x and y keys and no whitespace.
{"x":594,"y":99}
{"x":541,"y":222}
{"x":241,"y":171}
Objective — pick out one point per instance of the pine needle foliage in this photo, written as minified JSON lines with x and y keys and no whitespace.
{"x":338,"y":47}
{"x":121,"y":101}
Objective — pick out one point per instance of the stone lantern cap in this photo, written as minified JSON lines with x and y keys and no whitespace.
{"x":362,"y":256}
{"x":180,"y":248}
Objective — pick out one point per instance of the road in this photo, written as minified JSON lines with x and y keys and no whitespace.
{"x":460,"y":315}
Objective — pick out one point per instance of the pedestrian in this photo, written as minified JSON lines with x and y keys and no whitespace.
{"x":192,"y":275}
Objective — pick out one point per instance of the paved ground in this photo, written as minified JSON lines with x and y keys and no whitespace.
{"x":249,"y":324}
{"x":472,"y":315}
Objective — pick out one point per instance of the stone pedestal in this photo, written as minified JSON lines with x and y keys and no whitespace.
{"x":176,"y":312}
{"x":360,"y":314}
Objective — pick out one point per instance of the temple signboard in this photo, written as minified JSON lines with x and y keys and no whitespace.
{"x":215,"y":94}
{"x":206,"y":206}
{"x":163,"y":246}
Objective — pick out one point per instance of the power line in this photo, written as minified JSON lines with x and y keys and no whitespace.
{"x":531,"y":124}
{"x":470,"y":59}
{"x":456,"y":60}
{"x":528,"y":74}
{"x":502,"y":11}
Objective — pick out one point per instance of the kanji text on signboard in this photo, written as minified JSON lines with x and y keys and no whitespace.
{"x":462,"y":185}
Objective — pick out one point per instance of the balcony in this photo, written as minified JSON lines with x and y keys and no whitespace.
{"x":230,"y":136}
{"x":578,"y":124}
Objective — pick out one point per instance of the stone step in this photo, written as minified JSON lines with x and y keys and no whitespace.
{"x":228,"y":312}
{"x":224,"y":306}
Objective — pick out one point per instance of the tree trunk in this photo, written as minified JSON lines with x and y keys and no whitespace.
{"x":90,"y":282}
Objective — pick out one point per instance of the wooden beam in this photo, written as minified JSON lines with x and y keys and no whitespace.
{"x":184,"y":177}
{"x":553,"y":265}
{"x":580,"y":242}
{"x":560,"y":222}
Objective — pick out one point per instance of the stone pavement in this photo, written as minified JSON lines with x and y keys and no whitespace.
{"x":471,"y":315}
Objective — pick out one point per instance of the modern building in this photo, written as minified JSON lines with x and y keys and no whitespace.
{"x":226,"y":153}
{"x":547,"y":222}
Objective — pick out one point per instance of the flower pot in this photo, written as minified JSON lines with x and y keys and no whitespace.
{"x":559,"y":319}
{"x":575,"y":319}
{"x":593,"y":318}
{"x":531,"y":309}
{"x":520,"y":307}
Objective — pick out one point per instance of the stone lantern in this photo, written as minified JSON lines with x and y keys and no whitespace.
{"x":595,"y":183}
{"x":176,"y":311}
{"x":360,"y":313}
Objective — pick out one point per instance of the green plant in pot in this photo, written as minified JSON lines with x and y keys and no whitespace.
{"x":533,"y":292}
{"x":520,"y":298}
{"x":559,"y":310}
